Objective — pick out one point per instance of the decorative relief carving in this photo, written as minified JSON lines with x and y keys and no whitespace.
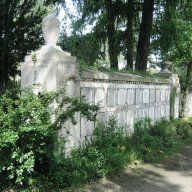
{"x":162,"y":95}
{"x":70,"y":84}
{"x":167,"y":94}
{"x":158,"y":95}
{"x":51,"y":29}
{"x":86,"y":127}
{"x":121,"y":82}
{"x":68,"y":77}
{"x":139,"y":93}
{"x":88,"y":93}
{"x":152,"y":95}
{"x":100,"y":97}
{"x":145,"y":113}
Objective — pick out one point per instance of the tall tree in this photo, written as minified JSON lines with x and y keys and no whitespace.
{"x":129,"y":32}
{"x":181,"y":49}
{"x":144,"y":35}
{"x":110,"y":14}
{"x":19,"y":33}
{"x":103,"y":15}
{"x":176,"y":43}
{"x":85,"y":47}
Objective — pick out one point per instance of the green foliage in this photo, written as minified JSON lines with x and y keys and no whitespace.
{"x":20,"y":31}
{"x":24,"y":133}
{"x":111,"y":141}
{"x":87,"y":48}
{"x":172,"y":101}
{"x":29,"y":141}
{"x":32,"y":155}
{"x":111,"y":150}
{"x":152,"y":142}
{"x":109,"y":135}
{"x":184,"y":128}
{"x":84,"y":165}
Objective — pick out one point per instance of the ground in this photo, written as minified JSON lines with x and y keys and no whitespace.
{"x":171,"y":175}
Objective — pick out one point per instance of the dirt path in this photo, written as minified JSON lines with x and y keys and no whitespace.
{"x":171,"y":175}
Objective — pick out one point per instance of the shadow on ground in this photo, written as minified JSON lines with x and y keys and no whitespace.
{"x":171,"y":175}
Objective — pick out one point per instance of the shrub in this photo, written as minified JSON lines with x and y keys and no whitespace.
{"x":110,"y":140}
{"x":29,"y":137}
{"x":84,"y":165}
{"x":109,"y":135}
{"x":31,"y":153}
{"x":184,"y":128}
{"x":24,"y":137}
{"x":152,"y":142}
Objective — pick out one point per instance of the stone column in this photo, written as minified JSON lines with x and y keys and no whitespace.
{"x":175,"y":90}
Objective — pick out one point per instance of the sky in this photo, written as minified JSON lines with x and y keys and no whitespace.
{"x":66,"y":23}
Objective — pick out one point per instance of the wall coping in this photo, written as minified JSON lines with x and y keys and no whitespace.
{"x":91,"y":75}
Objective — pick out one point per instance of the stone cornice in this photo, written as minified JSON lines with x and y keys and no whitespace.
{"x":117,"y":77}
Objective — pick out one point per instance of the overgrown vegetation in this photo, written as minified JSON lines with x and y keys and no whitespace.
{"x":32,"y":155}
{"x":29,"y":144}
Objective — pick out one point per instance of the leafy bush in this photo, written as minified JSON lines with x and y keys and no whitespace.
{"x":31,"y":153}
{"x":184,"y":128}
{"x":29,"y":136}
{"x":109,"y":135}
{"x":110,"y":140}
{"x":24,"y":137}
{"x":84,"y":165}
{"x":154,"y":141}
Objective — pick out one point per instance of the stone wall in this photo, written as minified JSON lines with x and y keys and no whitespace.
{"x":127,"y":97}
{"x":188,"y":110}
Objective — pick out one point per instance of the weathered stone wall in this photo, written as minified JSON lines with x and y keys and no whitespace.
{"x":188,"y":110}
{"x":127,"y":97}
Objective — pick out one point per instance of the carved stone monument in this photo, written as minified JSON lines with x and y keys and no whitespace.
{"x":51,"y":68}
{"x":165,"y":65}
{"x":125,"y":96}
{"x":51,"y":29}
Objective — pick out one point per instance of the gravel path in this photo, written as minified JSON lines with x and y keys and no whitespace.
{"x":171,"y":175}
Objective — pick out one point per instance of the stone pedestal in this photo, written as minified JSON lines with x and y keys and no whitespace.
{"x":175,"y":92}
{"x":50,"y":68}
{"x":165,"y":65}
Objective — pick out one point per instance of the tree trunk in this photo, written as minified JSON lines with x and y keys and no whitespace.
{"x":3,"y":73}
{"x":144,"y":35}
{"x":186,"y":90}
{"x":129,"y":42}
{"x":3,"y":79}
{"x":113,"y":55}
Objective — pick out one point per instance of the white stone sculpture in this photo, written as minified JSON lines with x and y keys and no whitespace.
{"x":51,"y":29}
